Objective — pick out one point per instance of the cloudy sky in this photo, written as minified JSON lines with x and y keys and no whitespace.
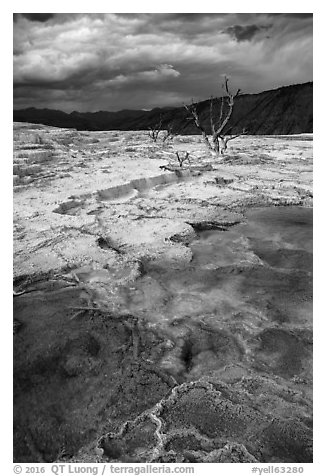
{"x":91,"y":62}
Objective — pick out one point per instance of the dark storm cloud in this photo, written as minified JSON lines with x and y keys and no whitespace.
{"x":246,"y":32}
{"x":300,"y":16}
{"x":116,"y":61}
{"x":39,"y":17}
{"x":190,"y":17}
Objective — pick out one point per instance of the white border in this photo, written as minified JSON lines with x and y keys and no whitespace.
{"x":167,"y":6}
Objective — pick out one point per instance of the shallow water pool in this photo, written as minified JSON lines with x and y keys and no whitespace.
{"x":249,"y":287}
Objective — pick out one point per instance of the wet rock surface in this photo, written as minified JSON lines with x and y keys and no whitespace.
{"x":168,"y":319}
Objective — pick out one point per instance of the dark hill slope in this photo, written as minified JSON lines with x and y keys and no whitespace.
{"x":51,"y":117}
{"x":286,"y":110}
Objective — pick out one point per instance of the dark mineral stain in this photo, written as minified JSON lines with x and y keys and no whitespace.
{"x":282,"y":352}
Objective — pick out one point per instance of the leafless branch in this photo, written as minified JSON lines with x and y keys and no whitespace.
{"x":155,"y":130}
{"x":193,"y":111}
{"x":211,"y":115}
{"x":236,"y":135}
{"x":182,"y":159}
{"x":221,"y":111}
{"x":219,"y":141}
{"x":172,"y":130}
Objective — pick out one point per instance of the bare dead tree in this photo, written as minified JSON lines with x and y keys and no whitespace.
{"x":219,"y":141}
{"x":173,"y":129}
{"x":155,"y":130}
{"x":167,"y":134}
{"x":181,"y":160}
{"x":170,"y":132}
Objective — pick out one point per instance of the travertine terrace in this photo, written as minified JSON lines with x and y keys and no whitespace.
{"x":162,"y":316}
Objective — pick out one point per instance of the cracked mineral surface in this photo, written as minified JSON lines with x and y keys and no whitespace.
{"x":161,"y":313}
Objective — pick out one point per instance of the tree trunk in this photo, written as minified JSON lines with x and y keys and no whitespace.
{"x":223,"y":145}
{"x":216,"y":145}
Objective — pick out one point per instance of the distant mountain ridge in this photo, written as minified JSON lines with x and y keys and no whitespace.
{"x":285,"y":110}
